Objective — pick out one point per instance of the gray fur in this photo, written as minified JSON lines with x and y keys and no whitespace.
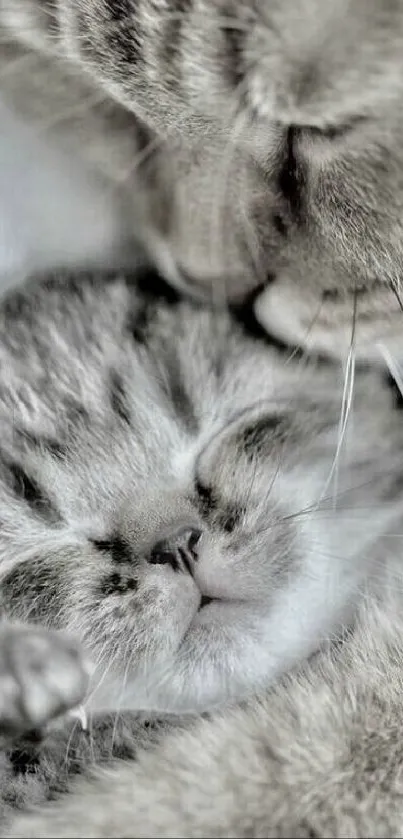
{"x":319,"y":756}
{"x":127,"y":424}
{"x":274,"y":141}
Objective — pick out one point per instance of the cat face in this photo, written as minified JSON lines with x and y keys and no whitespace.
{"x":276,"y":128}
{"x":160,"y":474}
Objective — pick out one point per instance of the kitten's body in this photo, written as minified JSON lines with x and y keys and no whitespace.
{"x":128,"y":427}
{"x":305,"y":125}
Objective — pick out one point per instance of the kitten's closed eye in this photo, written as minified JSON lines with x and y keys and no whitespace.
{"x":205,"y":496}
{"x":116,"y":547}
{"x":223,"y":514}
{"x":29,"y":490}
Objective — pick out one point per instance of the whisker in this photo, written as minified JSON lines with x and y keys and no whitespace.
{"x":346,"y":405}
{"x":319,"y":508}
{"x":119,"y":703}
{"x":138,"y":161}
{"x":68,"y":744}
{"x":305,"y":355}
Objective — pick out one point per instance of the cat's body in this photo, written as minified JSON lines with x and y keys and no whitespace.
{"x":273,"y":137}
{"x":184,"y":499}
{"x":272,"y":131}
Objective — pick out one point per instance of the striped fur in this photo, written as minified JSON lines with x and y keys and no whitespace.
{"x":173,"y":494}
{"x":256,"y":140}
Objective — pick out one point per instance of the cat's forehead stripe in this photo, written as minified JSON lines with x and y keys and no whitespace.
{"x":27,"y":488}
{"x":118,"y":397}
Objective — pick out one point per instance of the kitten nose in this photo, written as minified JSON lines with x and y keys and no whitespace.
{"x":177,"y":550}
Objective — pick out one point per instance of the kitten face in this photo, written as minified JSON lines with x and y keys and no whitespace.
{"x":165,"y":492}
{"x":278,"y":127}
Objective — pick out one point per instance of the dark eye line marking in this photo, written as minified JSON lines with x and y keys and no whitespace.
{"x":118,"y":397}
{"x":116,"y":547}
{"x":206,"y":497}
{"x":230,"y":519}
{"x":27,"y":489}
{"x":227,"y":518}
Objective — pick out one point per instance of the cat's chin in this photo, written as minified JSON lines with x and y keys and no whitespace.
{"x":331,"y":327}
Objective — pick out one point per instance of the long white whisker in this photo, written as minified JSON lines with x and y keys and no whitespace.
{"x":119,"y":703}
{"x":346,"y":406}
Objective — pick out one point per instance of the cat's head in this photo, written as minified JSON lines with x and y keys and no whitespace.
{"x":156,"y":463}
{"x":276,"y":130}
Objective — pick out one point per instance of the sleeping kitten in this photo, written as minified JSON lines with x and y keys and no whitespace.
{"x":189,"y":503}
{"x":184,"y":500}
{"x":264,"y":139}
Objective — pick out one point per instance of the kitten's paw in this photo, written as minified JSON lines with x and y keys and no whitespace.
{"x":42,"y":675}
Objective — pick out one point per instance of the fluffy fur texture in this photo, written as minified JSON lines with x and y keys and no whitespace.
{"x":319,"y":756}
{"x":273,"y":132}
{"x":244,"y":140}
{"x":168,"y":485}
{"x":173,"y":492}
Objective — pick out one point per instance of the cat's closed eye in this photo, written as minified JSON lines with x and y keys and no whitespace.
{"x":118,"y":550}
{"x":205,"y":496}
{"x":221,"y":513}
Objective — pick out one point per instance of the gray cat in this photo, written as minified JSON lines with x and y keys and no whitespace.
{"x":264,"y":138}
{"x":187,"y":502}
{"x":258,"y":142}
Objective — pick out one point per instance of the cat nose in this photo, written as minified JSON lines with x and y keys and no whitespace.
{"x":178,"y":549}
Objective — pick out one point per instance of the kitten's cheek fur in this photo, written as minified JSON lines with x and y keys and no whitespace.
{"x":151,"y":625}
